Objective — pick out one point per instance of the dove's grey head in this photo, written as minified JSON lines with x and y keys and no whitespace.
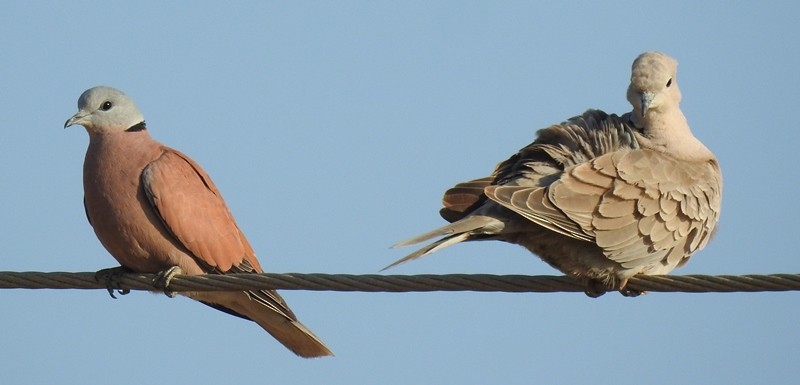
{"x":105,"y":109}
{"x":654,"y":86}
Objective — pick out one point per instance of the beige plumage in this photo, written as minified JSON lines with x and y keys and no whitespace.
{"x":154,"y":208}
{"x":600,"y":197}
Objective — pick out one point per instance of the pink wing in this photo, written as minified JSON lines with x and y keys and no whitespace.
{"x":192,"y":209}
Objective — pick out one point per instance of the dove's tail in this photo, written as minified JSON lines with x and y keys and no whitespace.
{"x":268,"y":310}
{"x":294,"y":335}
{"x":456,"y":232}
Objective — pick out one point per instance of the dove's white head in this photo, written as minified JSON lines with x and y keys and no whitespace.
{"x":655,"y":97}
{"x":104,"y":110}
{"x":654,"y":87}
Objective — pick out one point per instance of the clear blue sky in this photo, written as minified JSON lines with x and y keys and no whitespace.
{"x":332,"y":129}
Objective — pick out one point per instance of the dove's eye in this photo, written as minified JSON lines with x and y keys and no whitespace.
{"x":106,"y":106}
{"x":669,"y":82}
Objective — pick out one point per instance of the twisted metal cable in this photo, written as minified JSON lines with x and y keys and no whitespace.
{"x":399,"y":283}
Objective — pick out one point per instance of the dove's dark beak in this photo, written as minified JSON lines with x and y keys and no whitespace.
{"x":647,"y":100}
{"x":75,"y":119}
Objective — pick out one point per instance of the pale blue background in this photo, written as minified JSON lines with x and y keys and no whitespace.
{"x":332,"y":128}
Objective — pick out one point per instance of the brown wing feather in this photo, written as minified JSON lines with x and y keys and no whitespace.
{"x":463,"y":198}
{"x":641,"y":206}
{"x":631,"y":225}
{"x":529,"y":183}
{"x":192,"y":208}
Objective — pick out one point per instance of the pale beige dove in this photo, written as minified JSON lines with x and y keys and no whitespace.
{"x":154,"y":208}
{"x":600,"y":197}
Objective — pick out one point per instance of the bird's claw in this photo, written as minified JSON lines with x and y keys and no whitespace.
{"x":624,"y":290}
{"x":111,"y":278}
{"x":631,"y":292}
{"x":163,"y":279}
{"x":595,"y":288}
{"x":627,"y":292}
{"x":594,"y":293}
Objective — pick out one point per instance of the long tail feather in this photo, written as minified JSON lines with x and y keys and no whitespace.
{"x":453,"y":233}
{"x":462,"y":226}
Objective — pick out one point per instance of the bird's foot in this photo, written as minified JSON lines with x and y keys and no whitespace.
{"x":163,"y":279}
{"x":624,"y":290}
{"x":631,"y":292}
{"x":111,"y":277}
{"x":596,"y":288}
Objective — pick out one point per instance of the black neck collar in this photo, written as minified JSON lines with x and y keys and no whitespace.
{"x":137,"y":127}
